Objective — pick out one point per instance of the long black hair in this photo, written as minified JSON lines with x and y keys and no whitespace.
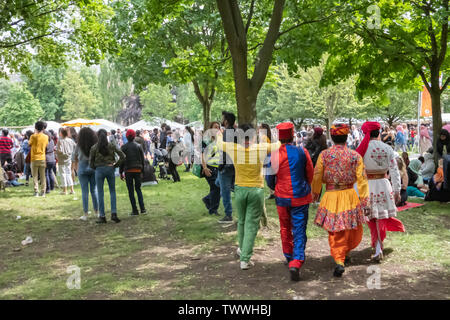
{"x":73,"y":134}
{"x":189,"y":129}
{"x":103,"y":142}
{"x":86,"y":139}
{"x":266,"y":127}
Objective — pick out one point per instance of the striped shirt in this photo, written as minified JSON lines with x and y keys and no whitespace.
{"x":6,"y":144}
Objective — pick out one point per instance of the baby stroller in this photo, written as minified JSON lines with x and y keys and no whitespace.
{"x":162,"y":159}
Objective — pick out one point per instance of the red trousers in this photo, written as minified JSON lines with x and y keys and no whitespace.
{"x":293,"y":221}
{"x":390,"y":224}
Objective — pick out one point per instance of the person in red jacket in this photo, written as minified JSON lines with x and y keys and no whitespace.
{"x":292,"y":174}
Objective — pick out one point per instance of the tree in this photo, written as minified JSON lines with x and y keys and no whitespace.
{"x":290,"y":31}
{"x":49,"y":31}
{"x":112,"y":90}
{"x":21,"y":108}
{"x":79,"y":100}
{"x":298,"y":97}
{"x":393,"y":44}
{"x":44,"y":82}
{"x":399,"y":106}
{"x":171,"y":44}
{"x":157,"y":102}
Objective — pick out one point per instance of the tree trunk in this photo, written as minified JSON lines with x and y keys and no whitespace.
{"x":437,"y":119}
{"x":206,"y":96}
{"x":206,"y":115}
{"x":246,"y":101}
{"x":246,"y":88}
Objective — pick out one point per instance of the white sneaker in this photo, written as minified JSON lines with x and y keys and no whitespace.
{"x":84,"y":218}
{"x":246,"y":265}
{"x":238,"y":252}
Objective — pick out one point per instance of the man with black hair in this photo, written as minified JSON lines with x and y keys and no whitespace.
{"x":226,"y":173}
{"x":163,"y":137}
{"x":341,"y":211}
{"x":379,"y":159}
{"x":6,"y":144}
{"x":248,"y":158}
{"x":139,"y":140}
{"x":38,"y":144}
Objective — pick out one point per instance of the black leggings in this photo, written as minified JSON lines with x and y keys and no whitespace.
{"x":173,"y":171}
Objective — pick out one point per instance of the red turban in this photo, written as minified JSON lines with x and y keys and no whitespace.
{"x":366,"y":128}
{"x":285,"y":130}
{"x":318,"y":131}
{"x":130,"y":134}
{"x":340,"y":129}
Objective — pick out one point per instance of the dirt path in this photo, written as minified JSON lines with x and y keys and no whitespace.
{"x":183,"y":274}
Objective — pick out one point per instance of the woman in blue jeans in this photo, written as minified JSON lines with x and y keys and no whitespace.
{"x":80,"y":157}
{"x":102,"y":159}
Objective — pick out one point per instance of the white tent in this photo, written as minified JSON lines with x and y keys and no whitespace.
{"x":446,"y":117}
{"x":103,"y":124}
{"x":107,"y":125}
{"x":196,"y":125}
{"x":155,"y":122}
{"x":51,"y":125}
{"x":142,"y":124}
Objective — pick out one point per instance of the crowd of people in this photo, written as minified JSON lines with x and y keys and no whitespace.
{"x":356,"y":174}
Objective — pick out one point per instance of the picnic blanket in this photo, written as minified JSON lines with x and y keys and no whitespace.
{"x":410,"y":205}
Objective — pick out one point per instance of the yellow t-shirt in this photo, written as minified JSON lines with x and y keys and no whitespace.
{"x":38,"y":143}
{"x":248,"y":162}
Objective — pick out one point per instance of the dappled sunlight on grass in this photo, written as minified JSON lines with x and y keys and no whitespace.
{"x":177,"y":250}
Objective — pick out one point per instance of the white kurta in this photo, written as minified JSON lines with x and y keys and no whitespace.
{"x":380,"y":158}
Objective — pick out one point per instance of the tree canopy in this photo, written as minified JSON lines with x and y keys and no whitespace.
{"x":49,"y":31}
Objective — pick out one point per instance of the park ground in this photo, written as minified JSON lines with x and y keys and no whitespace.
{"x":178,"y":251}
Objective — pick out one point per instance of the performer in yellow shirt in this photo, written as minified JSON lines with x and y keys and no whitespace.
{"x":248,"y":158}
{"x":341,"y":211}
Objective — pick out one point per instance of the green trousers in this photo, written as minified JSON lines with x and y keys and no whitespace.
{"x":249,"y":203}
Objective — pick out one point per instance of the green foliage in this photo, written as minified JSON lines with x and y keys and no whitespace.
{"x":391,"y":55}
{"x":45,"y":85}
{"x":157,"y":102}
{"x":398,"y":107}
{"x":112,"y":90}
{"x":48,"y":31}
{"x":20,"y":108}
{"x":80,"y":99}
{"x":298,"y":97}
{"x":172,"y":44}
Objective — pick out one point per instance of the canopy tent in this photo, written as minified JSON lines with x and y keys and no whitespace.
{"x":95,"y":124}
{"x":107,"y":125}
{"x":446,"y":117}
{"x":155,"y":122}
{"x":51,"y":125}
{"x":196,"y":125}
{"x":141,"y":125}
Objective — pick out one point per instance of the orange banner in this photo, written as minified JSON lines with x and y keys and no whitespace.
{"x":426,"y":103}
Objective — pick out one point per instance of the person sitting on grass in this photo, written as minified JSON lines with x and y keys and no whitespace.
{"x":416,"y":186}
{"x":248,"y":158}
{"x":404,"y":182}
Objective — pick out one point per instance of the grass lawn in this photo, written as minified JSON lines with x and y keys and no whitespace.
{"x":178,"y":251}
